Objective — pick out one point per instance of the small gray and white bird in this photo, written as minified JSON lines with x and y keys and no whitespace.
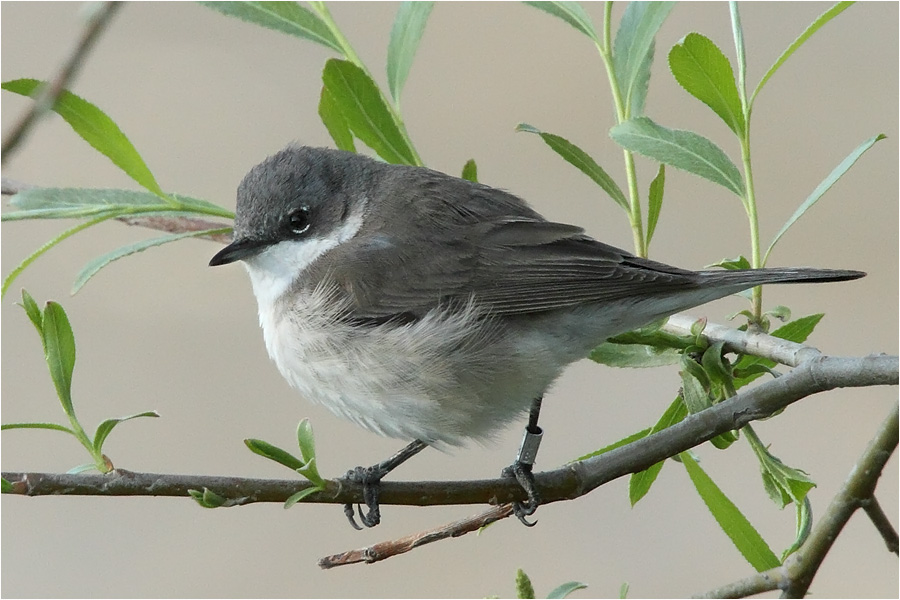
{"x":430,"y":308}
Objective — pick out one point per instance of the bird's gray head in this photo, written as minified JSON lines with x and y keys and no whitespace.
{"x":300,"y":193}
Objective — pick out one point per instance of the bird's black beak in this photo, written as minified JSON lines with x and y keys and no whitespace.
{"x":238,"y":250}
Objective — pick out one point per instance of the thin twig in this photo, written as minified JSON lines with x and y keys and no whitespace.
{"x":796,"y":574}
{"x":882,"y":524}
{"x":96,"y":23}
{"x":388,"y":549}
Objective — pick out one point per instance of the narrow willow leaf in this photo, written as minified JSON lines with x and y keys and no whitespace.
{"x":823,"y":187}
{"x":34,"y":313}
{"x":6,"y":487}
{"x":524,"y":589}
{"x":634,"y":355}
{"x":641,"y":85}
{"x":274,"y":453}
{"x":695,"y":397}
{"x":334,"y":122}
{"x":581,"y":160}
{"x":59,"y":350}
{"x":808,"y":33}
{"x":82,"y":468}
{"x":68,"y":203}
{"x":106,"y":427}
{"x":639,"y":483}
{"x":804,"y":527}
{"x":570,"y":12}
{"x":286,"y":17}
{"x":363,"y":107}
{"x":470,"y":170}
{"x":93,"y":267}
{"x":208,"y":498}
{"x":409,"y":24}
{"x":624,"y":441}
{"x":684,"y":150}
{"x":634,"y":41}
{"x":655,"y":201}
{"x":737,"y":31}
{"x":623,"y":591}
{"x":704,"y":71}
{"x":563,"y":591}
{"x":51,"y":426}
{"x":297,"y":497}
{"x":735,"y":525}
{"x":96,"y":129}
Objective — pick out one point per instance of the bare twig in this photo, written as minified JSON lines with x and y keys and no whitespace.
{"x":96,"y":23}
{"x":796,"y":574}
{"x":882,"y":524}
{"x":388,"y":549}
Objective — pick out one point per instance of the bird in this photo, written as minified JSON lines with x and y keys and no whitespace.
{"x":430,"y":308}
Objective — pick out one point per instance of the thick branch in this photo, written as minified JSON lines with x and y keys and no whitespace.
{"x":796,"y":574}
{"x":95,"y":25}
{"x":567,"y":482}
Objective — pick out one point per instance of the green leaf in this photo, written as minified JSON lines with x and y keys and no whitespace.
{"x":655,"y":197}
{"x":59,"y":350}
{"x":737,"y":31}
{"x":563,"y":591}
{"x":470,"y":170}
{"x":570,"y":12}
{"x":295,"y":498}
{"x":733,"y":264}
{"x":95,"y":128}
{"x":274,"y":453}
{"x":34,"y":313}
{"x":364,"y":109}
{"x":94,"y":266}
{"x":633,"y":355}
{"x":524,"y":589}
{"x":695,"y":397}
{"x":6,"y":487}
{"x":623,"y":591}
{"x":639,"y":483}
{"x":633,"y":48}
{"x":50,"y":426}
{"x":814,"y":27}
{"x":684,"y":150}
{"x":334,"y":122}
{"x":735,"y":525}
{"x":624,"y":441}
{"x":47,"y":246}
{"x":581,"y":160}
{"x":409,"y":24}
{"x":106,"y":427}
{"x":705,"y":72}
{"x":804,"y":526}
{"x":286,"y":17}
{"x":82,"y":468}
{"x":306,"y":441}
{"x":823,"y":187}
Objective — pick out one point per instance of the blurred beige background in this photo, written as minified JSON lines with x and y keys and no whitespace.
{"x":204,"y":98}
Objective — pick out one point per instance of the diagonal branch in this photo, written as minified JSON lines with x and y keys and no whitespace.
{"x":565,"y":483}
{"x":796,"y":574}
{"x":96,"y":23}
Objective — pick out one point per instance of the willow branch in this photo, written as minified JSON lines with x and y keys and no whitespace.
{"x":794,"y":577}
{"x":96,"y":23}
{"x":565,"y":483}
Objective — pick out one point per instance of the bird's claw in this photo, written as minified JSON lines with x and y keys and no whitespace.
{"x":523,"y":475}
{"x":370,"y":479}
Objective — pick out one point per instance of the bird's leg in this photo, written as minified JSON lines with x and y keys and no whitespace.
{"x":521,"y":468}
{"x":370,"y":479}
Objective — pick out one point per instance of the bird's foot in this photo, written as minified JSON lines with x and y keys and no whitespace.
{"x":370,"y":479}
{"x":522,"y":473}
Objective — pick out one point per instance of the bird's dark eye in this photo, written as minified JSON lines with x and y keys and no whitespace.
{"x":298,"y":220}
